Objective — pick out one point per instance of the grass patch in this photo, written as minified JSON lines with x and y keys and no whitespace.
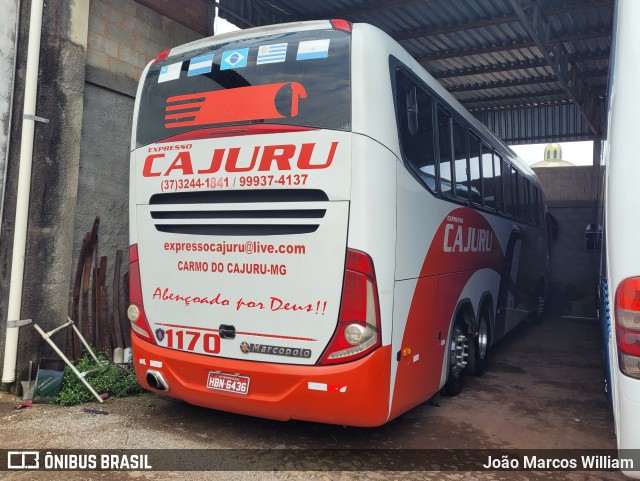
{"x":108,"y":378}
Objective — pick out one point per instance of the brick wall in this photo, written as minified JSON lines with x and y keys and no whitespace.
{"x":124,"y":36}
{"x":566,"y":183}
{"x":186,"y":12}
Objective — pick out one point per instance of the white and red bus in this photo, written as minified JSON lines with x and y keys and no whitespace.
{"x":620,"y":268}
{"x":319,"y":231}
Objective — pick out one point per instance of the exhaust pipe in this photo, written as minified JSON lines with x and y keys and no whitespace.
{"x":156,"y":381}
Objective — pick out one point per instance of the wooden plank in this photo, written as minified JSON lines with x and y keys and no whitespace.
{"x":95,"y":306}
{"x":84,"y":318}
{"x":70,"y":349}
{"x":103,"y":321}
{"x":117,"y":328}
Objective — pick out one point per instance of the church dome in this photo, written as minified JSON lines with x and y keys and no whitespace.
{"x":552,"y":152}
{"x":552,"y":157}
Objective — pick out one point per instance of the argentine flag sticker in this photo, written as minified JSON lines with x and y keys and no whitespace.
{"x":170,"y":72}
{"x":200,"y":65}
{"x":311,"y":49}
{"x":234,"y":59}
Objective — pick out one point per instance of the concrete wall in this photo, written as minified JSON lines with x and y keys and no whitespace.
{"x":574,"y":270}
{"x":54,"y":174}
{"x":93,"y":52}
{"x":8,"y":37}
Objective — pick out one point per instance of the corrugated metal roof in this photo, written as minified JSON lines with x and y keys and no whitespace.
{"x":531,"y":70}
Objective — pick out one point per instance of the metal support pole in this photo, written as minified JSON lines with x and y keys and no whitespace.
{"x":46,"y":336}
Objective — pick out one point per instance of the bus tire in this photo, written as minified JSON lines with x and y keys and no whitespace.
{"x":458,"y":355}
{"x":543,"y":300}
{"x":479,"y":346}
{"x":541,"y":303}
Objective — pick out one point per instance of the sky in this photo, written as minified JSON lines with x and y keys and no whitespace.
{"x":578,"y":153}
{"x":220,"y":25}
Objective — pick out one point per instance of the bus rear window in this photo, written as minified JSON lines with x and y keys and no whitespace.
{"x":297,"y":79}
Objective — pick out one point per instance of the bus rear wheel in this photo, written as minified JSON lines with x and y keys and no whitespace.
{"x":479,"y":347}
{"x":458,"y":354}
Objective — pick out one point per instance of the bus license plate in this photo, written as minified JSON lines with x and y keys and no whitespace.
{"x":228,"y":382}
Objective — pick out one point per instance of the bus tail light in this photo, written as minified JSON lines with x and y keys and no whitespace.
{"x":358,"y":331}
{"x":339,"y":24}
{"x":161,"y":56}
{"x":628,"y":326}
{"x":135,"y":311}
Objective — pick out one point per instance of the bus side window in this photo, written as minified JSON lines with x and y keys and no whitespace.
{"x":461,"y":153}
{"x":514,"y":192}
{"x":444,"y":145}
{"x":532,"y":204}
{"x":475,"y":172}
{"x":497,"y":171}
{"x":488,"y":177}
{"x":508,"y":191}
{"x":416,"y":129}
{"x":523,"y":198}
{"x":412,"y":110}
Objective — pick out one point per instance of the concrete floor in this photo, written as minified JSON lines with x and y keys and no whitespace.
{"x":542,"y":390}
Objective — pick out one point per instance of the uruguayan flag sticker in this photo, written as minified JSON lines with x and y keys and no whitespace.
{"x":272,"y":53}
{"x":170,"y":72}
{"x":200,"y":65}
{"x":234,"y":59}
{"x":310,"y":49}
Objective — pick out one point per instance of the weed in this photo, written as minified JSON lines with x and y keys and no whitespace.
{"x":105,"y":378}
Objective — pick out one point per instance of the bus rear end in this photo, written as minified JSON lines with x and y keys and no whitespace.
{"x":244,"y":295}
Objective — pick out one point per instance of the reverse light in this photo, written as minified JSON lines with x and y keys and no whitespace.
{"x":627,"y":308}
{"x":358,"y":332}
{"x":355,"y":334}
{"x":135,"y":311}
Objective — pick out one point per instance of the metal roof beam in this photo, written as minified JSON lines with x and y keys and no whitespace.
{"x":475,"y":51}
{"x":548,"y":137}
{"x":524,"y":97}
{"x":509,"y":46}
{"x":538,"y":27}
{"x":371,"y":7}
{"x":508,"y":83}
{"x":490,"y":22}
{"x":253,"y":13}
{"x":507,"y":108}
{"x":506,"y":67}
{"x":232,"y":13}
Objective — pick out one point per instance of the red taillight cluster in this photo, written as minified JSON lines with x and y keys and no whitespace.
{"x":340,"y":24}
{"x":135,"y":312}
{"x":161,"y":56}
{"x":628,"y":326}
{"x":358,"y":331}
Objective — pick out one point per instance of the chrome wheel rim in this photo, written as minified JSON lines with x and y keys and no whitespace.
{"x":483,"y":337}
{"x":459,"y":351}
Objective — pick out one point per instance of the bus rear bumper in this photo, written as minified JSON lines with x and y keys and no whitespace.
{"x":354,"y":394}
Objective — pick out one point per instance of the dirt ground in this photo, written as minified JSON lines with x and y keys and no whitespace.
{"x":543,"y":390}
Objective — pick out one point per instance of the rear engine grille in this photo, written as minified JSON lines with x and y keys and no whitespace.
{"x":239,"y":212}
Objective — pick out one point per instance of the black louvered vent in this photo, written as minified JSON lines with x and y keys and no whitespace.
{"x":257,"y":220}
